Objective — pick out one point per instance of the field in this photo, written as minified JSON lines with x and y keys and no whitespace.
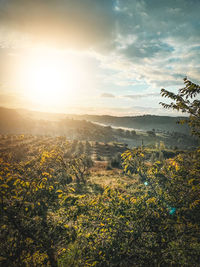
{"x":29,"y":145}
{"x":19,"y":148}
{"x":81,"y":203}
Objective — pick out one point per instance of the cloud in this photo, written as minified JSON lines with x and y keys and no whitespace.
{"x":154,"y":43}
{"x":133,"y":96}
{"x":137,"y":96}
{"x":123,"y":111}
{"x":66,"y":23}
{"x":107,"y":95}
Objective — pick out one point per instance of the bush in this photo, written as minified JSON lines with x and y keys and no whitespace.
{"x":115,"y":161}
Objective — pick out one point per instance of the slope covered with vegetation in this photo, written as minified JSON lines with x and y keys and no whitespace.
{"x":60,"y":206}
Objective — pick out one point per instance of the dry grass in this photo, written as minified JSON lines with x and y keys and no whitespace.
{"x":114,"y":178}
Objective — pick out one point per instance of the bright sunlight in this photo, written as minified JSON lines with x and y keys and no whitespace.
{"x":49,"y":79}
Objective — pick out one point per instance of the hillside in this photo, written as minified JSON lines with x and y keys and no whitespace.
{"x":145,"y":122}
{"x":98,"y":129}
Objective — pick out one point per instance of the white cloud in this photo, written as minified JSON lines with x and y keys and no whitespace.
{"x":155,"y":43}
{"x":107,"y":95}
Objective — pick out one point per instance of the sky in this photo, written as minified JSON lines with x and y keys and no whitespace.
{"x":96,"y":56}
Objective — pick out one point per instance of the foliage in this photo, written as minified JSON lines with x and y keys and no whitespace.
{"x":115,"y":161}
{"x":79,"y":167}
{"x":186,"y":101}
{"x":134,"y":162}
{"x":34,"y":221}
{"x":156,"y":223}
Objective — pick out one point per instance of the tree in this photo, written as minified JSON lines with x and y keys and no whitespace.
{"x":151,"y":133}
{"x":28,"y":195}
{"x":79,"y":167}
{"x":154,"y":223}
{"x":169,"y":208}
{"x":34,"y":225}
{"x":186,"y":101}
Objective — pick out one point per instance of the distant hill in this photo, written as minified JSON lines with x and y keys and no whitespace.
{"x":12,"y":120}
{"x":137,"y":130}
{"x":38,"y":123}
{"x":145,"y":122}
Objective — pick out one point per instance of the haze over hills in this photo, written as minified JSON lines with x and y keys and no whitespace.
{"x":14,"y":118}
{"x":144,"y":122}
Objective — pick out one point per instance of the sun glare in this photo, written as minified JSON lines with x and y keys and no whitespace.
{"x":50,"y":79}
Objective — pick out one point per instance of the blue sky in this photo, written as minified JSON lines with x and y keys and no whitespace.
{"x":127,"y":49}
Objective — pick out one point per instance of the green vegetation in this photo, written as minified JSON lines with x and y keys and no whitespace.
{"x":62,"y":206}
{"x":186,"y":101}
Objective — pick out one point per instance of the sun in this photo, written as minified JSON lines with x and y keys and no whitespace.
{"x":48,"y":78}
{"x":46,"y":82}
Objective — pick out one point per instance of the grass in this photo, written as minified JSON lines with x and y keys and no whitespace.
{"x":114,"y":178}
